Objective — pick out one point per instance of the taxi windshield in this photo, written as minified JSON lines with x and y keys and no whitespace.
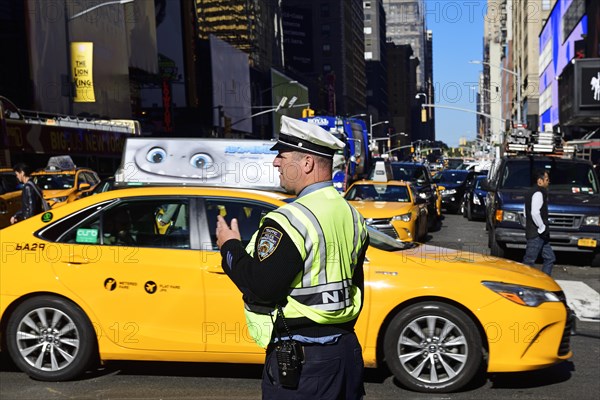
{"x":54,"y":181}
{"x":379,"y":192}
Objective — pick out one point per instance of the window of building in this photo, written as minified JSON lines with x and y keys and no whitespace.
{"x":326,"y":67}
{"x":325,"y":29}
{"x":325,"y":10}
{"x":366,"y":4}
{"x":368,"y":30}
{"x":546,"y":4}
{"x":368,"y":55}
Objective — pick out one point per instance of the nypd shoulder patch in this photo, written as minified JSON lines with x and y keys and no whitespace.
{"x":268,"y":242}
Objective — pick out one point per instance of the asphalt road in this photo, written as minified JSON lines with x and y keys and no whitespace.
{"x":577,"y":378}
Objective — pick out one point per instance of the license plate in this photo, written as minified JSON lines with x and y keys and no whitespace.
{"x":586,"y":242}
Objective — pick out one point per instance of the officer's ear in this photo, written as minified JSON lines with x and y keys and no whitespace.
{"x":308,"y":162}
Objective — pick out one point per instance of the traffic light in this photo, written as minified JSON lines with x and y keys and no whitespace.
{"x":308,"y":112}
{"x":423,"y":115}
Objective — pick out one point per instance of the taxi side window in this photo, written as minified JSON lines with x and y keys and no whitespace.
{"x":139,"y":223}
{"x":247,"y":213}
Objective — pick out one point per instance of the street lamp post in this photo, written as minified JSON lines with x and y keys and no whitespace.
{"x":516,"y":73}
{"x":282,"y":104}
{"x":372,"y":125}
{"x":68,"y":40}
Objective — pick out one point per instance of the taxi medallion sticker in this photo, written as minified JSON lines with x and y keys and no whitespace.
{"x":268,"y":242}
{"x":47,"y":216}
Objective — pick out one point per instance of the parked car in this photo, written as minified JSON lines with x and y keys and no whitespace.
{"x":390,"y":207}
{"x":10,"y":196}
{"x":573,"y":204}
{"x":108,"y":285}
{"x":473,"y":205}
{"x":455,"y":182}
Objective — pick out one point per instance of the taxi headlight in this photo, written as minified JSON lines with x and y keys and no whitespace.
{"x":448,"y":192}
{"x":592,"y":220}
{"x":523,"y":295}
{"x":59,"y":199}
{"x":476,"y":200}
{"x":403,"y":217}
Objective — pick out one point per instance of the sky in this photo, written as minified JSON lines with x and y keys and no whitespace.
{"x":457,"y":27}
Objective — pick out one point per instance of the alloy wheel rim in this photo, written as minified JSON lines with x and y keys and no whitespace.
{"x":432,"y":349}
{"x":48,"y":339}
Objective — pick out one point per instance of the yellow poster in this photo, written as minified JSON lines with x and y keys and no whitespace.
{"x":82,"y":56}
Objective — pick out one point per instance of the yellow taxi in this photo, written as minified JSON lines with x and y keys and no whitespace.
{"x":10,"y":196}
{"x":102,"y":279}
{"x":135,"y":273}
{"x":390,"y":207}
{"x":62,"y":182}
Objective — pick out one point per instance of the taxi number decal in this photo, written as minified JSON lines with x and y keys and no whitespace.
{"x":32,"y":246}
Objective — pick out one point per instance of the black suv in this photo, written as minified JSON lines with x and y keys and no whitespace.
{"x":421,"y":181}
{"x":573,"y":204}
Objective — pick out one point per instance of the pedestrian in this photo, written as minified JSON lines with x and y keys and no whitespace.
{"x":537,"y":228}
{"x":32,"y":200}
{"x":301,"y":275}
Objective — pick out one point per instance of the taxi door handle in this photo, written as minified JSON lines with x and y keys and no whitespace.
{"x":77,"y":260}
{"x":216,"y":269}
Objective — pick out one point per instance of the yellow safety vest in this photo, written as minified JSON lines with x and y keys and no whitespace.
{"x":329,"y":235}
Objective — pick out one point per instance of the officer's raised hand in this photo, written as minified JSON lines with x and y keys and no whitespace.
{"x":224,"y":232}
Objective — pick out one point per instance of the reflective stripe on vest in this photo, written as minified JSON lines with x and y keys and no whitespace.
{"x":323,"y":265}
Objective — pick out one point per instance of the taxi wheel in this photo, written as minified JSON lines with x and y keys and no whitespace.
{"x":51,"y":339}
{"x":433,"y":347}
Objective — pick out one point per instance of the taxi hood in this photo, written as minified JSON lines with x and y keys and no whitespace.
{"x":485,"y":267}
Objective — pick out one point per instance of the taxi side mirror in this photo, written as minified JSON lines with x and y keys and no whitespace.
{"x":84,"y":186}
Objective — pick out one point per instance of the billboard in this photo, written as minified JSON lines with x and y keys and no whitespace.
{"x":284,"y":86}
{"x":558,"y":42}
{"x":230,"y":86}
{"x":579,"y":91}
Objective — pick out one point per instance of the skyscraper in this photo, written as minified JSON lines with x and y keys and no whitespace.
{"x":405,"y":24}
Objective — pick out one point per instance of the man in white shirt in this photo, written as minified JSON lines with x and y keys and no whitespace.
{"x":537,"y":229}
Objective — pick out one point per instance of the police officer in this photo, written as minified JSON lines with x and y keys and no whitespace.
{"x":537,"y":229}
{"x":301,"y":275}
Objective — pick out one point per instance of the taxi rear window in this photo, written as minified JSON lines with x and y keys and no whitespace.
{"x":56,"y":230}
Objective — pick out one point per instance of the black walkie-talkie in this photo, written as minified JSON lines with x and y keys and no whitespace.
{"x":289,"y":355}
{"x":289,"y":362}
